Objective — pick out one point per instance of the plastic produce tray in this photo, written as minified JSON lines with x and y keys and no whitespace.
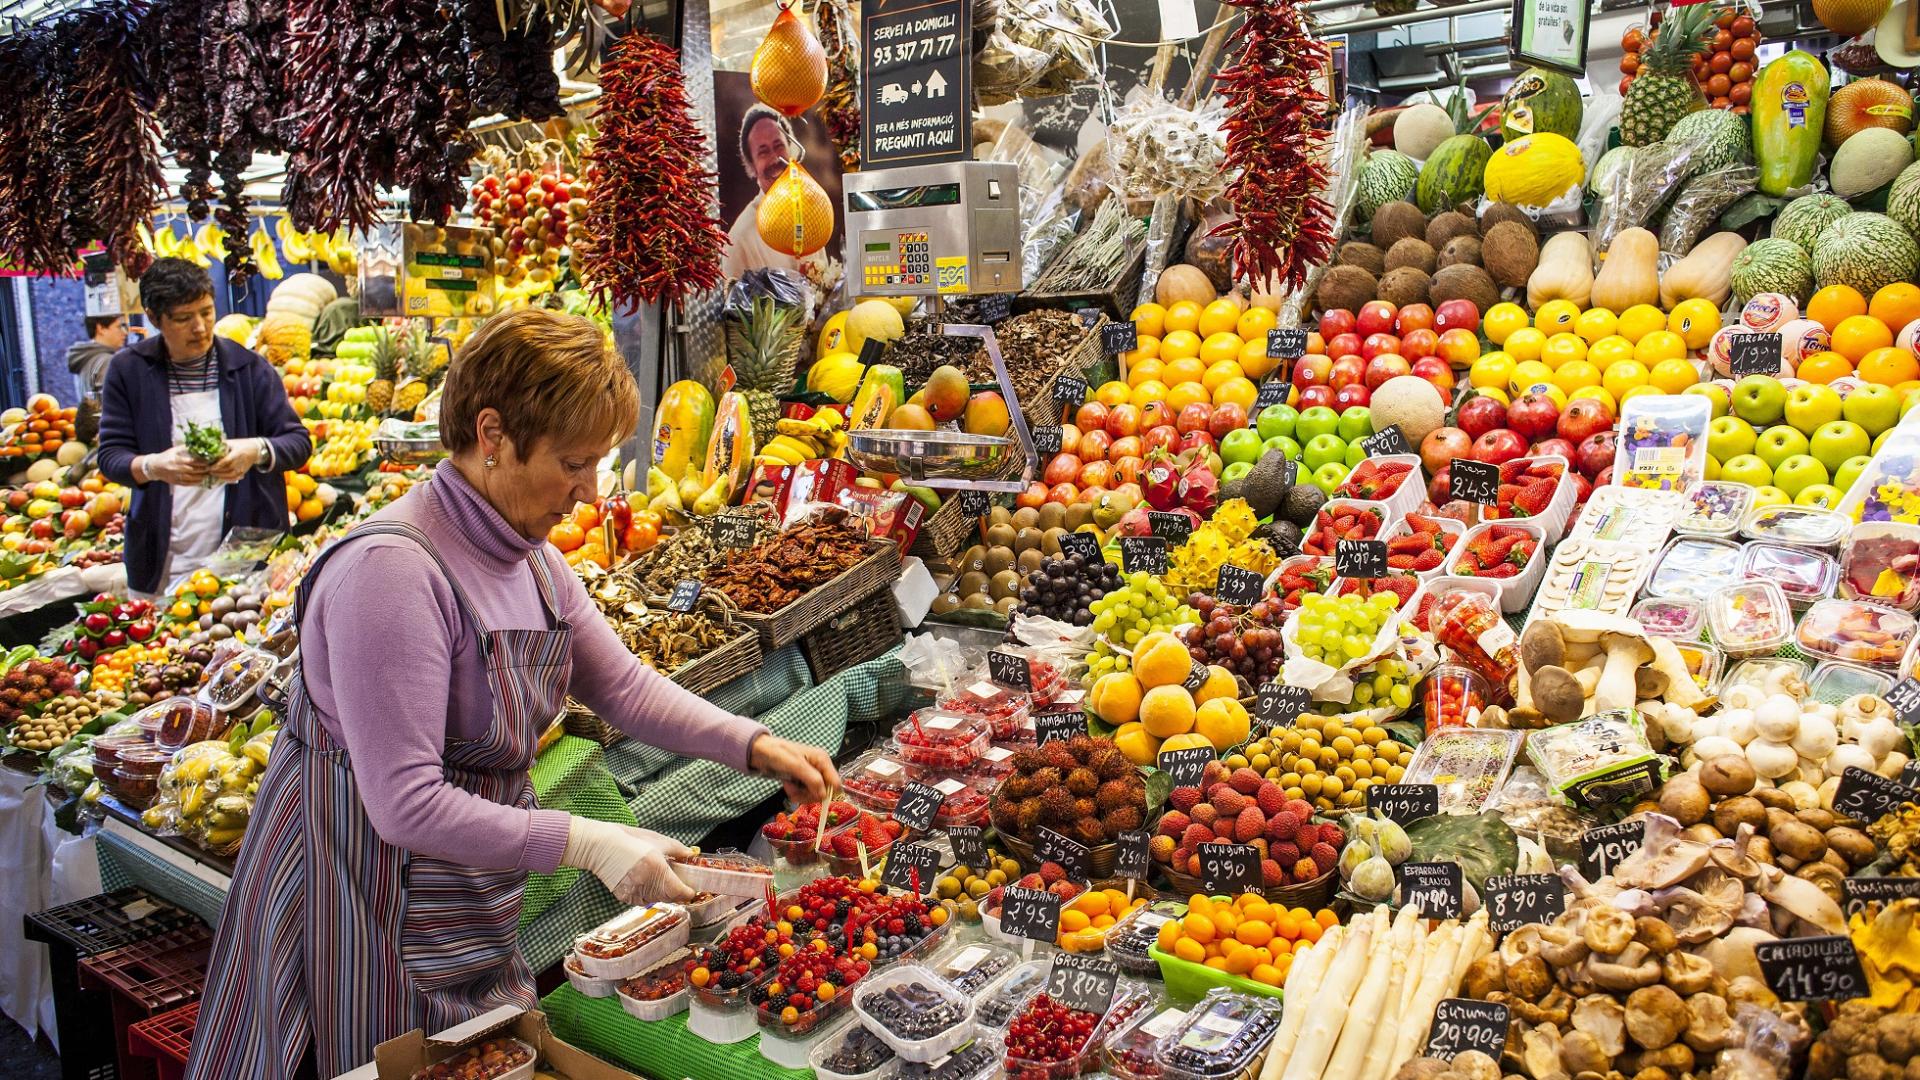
{"x":166,"y":1039}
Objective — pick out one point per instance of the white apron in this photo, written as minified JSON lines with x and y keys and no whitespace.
{"x":199,"y":512}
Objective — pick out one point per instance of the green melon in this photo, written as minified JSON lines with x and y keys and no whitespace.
{"x":1723,"y":139}
{"x":1801,"y":220}
{"x":1388,"y":176}
{"x":1866,"y":252}
{"x":1541,"y":100}
{"x":1601,"y":176}
{"x":1903,"y":200}
{"x":1452,"y":174}
{"x":1772,"y":265}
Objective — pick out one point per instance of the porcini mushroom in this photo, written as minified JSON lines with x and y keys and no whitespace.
{"x":1557,"y":694}
{"x":1624,"y":644}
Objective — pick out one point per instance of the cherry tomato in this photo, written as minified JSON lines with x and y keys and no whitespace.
{"x":1740,"y":72}
{"x":1720,"y":63}
{"x":1723,"y":40}
{"x":1742,"y":26}
{"x":1629,"y":64}
{"x":1724,"y":19}
{"x":1741,"y":93}
{"x":1718,"y":86}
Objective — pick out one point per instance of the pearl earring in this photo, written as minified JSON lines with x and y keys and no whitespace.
{"x":491,"y":462}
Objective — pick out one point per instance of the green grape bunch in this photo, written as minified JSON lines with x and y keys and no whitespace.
{"x":1338,"y":630}
{"x":1142,"y":605}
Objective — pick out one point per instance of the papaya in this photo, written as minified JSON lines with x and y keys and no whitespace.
{"x":1789,"y":115}
{"x":875,"y":402}
{"x":730,"y":449}
{"x":682,"y":427}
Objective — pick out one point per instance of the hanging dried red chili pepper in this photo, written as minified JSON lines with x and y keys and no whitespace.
{"x":840,"y":106}
{"x":1283,"y":227}
{"x":32,"y":215}
{"x":650,"y":228}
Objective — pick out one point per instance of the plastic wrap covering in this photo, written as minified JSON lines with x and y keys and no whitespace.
{"x":1700,"y":203}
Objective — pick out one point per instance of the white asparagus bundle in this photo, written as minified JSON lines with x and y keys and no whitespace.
{"x":1409,"y":942}
{"x":1303,"y":981}
{"x":1436,"y":982}
{"x":1329,"y":1006}
{"x":1370,"y":1000}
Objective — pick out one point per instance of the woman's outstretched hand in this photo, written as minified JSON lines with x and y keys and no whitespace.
{"x":806,"y":772}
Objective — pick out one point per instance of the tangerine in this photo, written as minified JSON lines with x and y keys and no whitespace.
{"x":1221,"y":347}
{"x":1185,"y":370}
{"x":1823,"y":367}
{"x":1182,"y":315}
{"x":1835,"y":304}
{"x":1857,"y":335}
{"x":1149,"y":319}
{"x":1179,"y":345}
{"x":1149,"y":368}
{"x":1501,"y":320}
{"x":1255,"y":322}
{"x":1897,"y":304}
{"x":1146,"y":347}
{"x":1253,"y":357}
{"x":1888,"y":366}
{"x":1113,"y":393}
{"x":1238,"y":390}
{"x":1640,"y":320}
{"x":1556,"y":317}
{"x":1221,"y":316}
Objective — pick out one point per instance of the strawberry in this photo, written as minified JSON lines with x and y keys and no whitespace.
{"x":1501,"y":570}
{"x":1410,"y":544}
{"x":1249,"y":825}
{"x":1512,"y":470}
{"x":1427,"y":560}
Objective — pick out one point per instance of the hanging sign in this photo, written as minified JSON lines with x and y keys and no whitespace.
{"x":916,"y":90}
{"x":1552,"y":34}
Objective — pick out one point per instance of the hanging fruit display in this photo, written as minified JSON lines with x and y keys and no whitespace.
{"x":796,"y":217}
{"x":535,"y":215}
{"x":840,"y":106}
{"x":789,"y":67}
{"x":1723,"y":70}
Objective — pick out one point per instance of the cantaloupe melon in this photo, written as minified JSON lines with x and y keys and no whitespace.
{"x":1867,"y":160}
{"x":1411,"y":402}
{"x":1183,"y":282}
{"x":1867,"y":103}
{"x":1420,"y":128}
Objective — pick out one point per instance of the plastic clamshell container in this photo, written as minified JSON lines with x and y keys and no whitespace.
{"x":146,"y":762}
{"x":183,"y":721}
{"x":1764,"y":672}
{"x":932,"y":1047}
{"x":234,"y":681}
{"x":1887,"y":490}
{"x":1338,"y":506}
{"x":1434,"y":588}
{"x":1671,"y":616}
{"x":996,"y":1006}
{"x":1751,"y":618}
{"x":1007,"y":711}
{"x":633,"y":941}
{"x":592,"y":986}
{"x":972,"y":965}
{"x":966,"y":802}
{"x":1128,"y":1052}
{"x":1596,"y":575}
{"x":1467,"y":764}
{"x":661,"y":1007}
{"x":1452,"y":528}
{"x":1304,"y":564}
{"x":1856,"y":631}
{"x":1807,"y":526}
{"x":1126,"y":999}
{"x":1704,"y":663}
{"x":1881,"y":562}
{"x":1407,"y":497}
{"x":977,"y":1060}
{"x":1516,"y":592}
{"x":448,"y":1068}
{"x":1836,"y":680}
{"x":850,"y":1035}
{"x":1629,"y":516}
{"x":1559,"y":508}
{"x":708,"y":908}
{"x":728,"y":873}
{"x":1131,"y":940}
{"x":1663,"y":442}
{"x":1714,"y":508}
{"x":1695,"y":567}
{"x":1220,"y":1038}
{"x":1803,"y":574}
{"x":720,"y":1024}
{"x":937,"y":739}
{"x":873,"y":782}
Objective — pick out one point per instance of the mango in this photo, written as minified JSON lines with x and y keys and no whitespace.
{"x":947,"y":389}
{"x":910,"y":418}
{"x":986,"y":414}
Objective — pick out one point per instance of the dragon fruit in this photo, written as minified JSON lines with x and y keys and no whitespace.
{"x":1162,"y":482}
{"x":1198,"y":489}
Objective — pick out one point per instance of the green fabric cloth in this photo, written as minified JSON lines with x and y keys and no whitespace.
{"x":660,"y":1049}
{"x":571,"y":776}
{"x":333,"y":323}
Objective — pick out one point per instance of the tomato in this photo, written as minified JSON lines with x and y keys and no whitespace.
{"x":586,"y":515}
{"x":1742,"y":26}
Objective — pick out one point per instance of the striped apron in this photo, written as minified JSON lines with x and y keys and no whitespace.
{"x":331,"y":934}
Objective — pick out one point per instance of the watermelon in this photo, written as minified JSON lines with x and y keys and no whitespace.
{"x":1452,"y":174}
{"x":1772,"y":266}
{"x":1800,"y":221}
{"x":1721,"y":139}
{"x":1540,"y":100}
{"x":1388,"y":176}
{"x":1903,"y":200}
{"x":1866,"y":252}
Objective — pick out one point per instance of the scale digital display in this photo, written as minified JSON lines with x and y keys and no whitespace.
{"x":904,"y":198}
{"x":904,"y":259}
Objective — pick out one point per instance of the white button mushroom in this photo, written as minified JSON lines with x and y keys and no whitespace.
{"x":1737,"y":724}
{"x":1849,"y":754}
{"x":1817,"y":737}
{"x":1772,"y":759}
{"x":1777,"y":718}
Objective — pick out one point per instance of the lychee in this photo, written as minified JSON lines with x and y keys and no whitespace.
{"x":1305,"y":870}
{"x":1205,"y":814}
{"x":1286,"y":853}
{"x":1229,"y":802}
{"x":1214,"y":773}
{"x":1332,"y":834}
{"x":1196,"y":835}
{"x":1173,"y":823}
{"x":1271,"y":876}
{"x":1325,"y":856}
{"x":1245,"y":781}
{"x":1051,"y":872}
{"x":1301,"y":808}
{"x":1184,"y":798}
{"x":1283,"y":826}
{"x":1249,"y":824}
{"x":1271,"y":798}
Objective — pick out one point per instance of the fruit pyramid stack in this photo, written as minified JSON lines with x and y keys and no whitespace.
{"x":1169,"y":702}
{"x":1242,"y":807}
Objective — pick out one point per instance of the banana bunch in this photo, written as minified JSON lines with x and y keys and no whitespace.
{"x":297,"y":245}
{"x":211,"y":239}
{"x":335,"y":248}
{"x":263,"y":254}
{"x":168,"y":244}
{"x":822,"y":435}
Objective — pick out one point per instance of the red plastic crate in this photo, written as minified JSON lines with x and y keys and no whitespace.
{"x":155,"y":976}
{"x":165,"y":1039}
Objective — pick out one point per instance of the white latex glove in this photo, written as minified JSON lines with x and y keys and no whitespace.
{"x":632,"y":862}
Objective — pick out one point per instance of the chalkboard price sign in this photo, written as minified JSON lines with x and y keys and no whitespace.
{"x":1081,"y":544}
{"x":1404,"y":802}
{"x":1069,"y":390}
{"x":1867,"y":796}
{"x":1473,"y":481}
{"x":1132,"y":858}
{"x":1229,"y":869}
{"x":871,"y":351}
{"x":1046,"y":440}
{"x":1905,"y":699}
{"x":1278,"y":705}
{"x":1360,"y":558}
{"x":1187,"y":765}
{"x":683,"y":597}
{"x":1088,"y":316}
{"x":1173,"y":528}
{"x":1083,"y":981}
{"x":1148,"y":553}
{"x":1119,"y":337}
{"x":1753,"y":354}
{"x":1033,"y":914}
{"x":1859,"y":892}
{"x":1390,"y":441}
{"x":1049,"y":726}
{"x":911,"y":863}
{"x":1237,"y":586}
{"x":1516,"y":900}
{"x":1073,"y":857}
{"x":975,"y":504}
{"x":969,"y":844}
{"x":994,"y":308}
{"x":1435,"y":889}
{"x":1462,"y":1024}
{"x":736,"y":530}
{"x":1608,"y":846}
{"x":1823,"y":968}
{"x":1009,"y":670}
{"x":917,"y":806}
{"x":1286,"y":343}
{"x":1272,"y":392}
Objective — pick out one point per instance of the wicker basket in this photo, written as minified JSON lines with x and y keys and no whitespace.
{"x":1100,"y":860}
{"x":857,"y":634}
{"x":705,"y":673}
{"x":1117,"y":299}
{"x":1084,"y":358}
{"x":1311,"y":895}
{"x":812,"y":610}
{"x":946,"y":533}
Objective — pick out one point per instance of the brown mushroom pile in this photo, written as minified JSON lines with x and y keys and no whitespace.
{"x":1866,"y":1042}
{"x":1466,"y":1065}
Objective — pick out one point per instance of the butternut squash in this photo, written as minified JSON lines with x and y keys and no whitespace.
{"x":1565,"y":271}
{"x":1630,"y":274}
{"x":1706,"y":273}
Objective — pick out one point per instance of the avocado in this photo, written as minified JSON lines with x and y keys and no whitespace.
{"x":1235,"y":488}
{"x":1302,"y":503}
{"x":1265,"y":485}
{"x":1282,"y":536}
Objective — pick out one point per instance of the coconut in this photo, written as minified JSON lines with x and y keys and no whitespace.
{"x":1461,"y":282}
{"x":1495,"y":213}
{"x":1345,"y":288}
{"x":1363,"y":255}
{"x":1405,"y":285}
{"x":1510,"y":253}
{"x":1461,"y":250}
{"x":1412,"y":252}
{"x":1449,"y":224}
{"x":1396,"y":221}
{"x":1411,"y":402}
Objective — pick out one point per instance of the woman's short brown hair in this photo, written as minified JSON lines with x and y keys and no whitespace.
{"x":547,"y":374}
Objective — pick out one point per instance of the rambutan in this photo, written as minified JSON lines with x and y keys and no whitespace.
{"x":1083,"y":781}
{"x":1083,"y":808}
{"x":1122,"y":819}
{"x":1114,"y":794}
{"x":1110,"y":763}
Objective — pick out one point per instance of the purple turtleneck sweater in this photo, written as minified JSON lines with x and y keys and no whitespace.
{"x":395,"y":671}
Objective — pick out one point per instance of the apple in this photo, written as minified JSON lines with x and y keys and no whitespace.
{"x":1348,"y":371}
{"x":1070,"y":439}
{"x":1127,"y":471}
{"x":1799,"y":471}
{"x":1456,"y":315}
{"x":1321,"y":396}
{"x":1876,"y":408}
{"x":1355,"y":424}
{"x":1748,"y":469}
{"x":72,"y":498}
{"x":1164,"y":437}
{"x":1330,"y":476}
{"x":1353,"y":395}
{"x":1728,"y":437}
{"x":1385,"y":366}
{"x":1459,"y":347}
{"x":1378,"y":344}
{"x":1499,"y":446}
{"x":1095,"y":444}
{"x":1718,"y":394}
{"x":1778,"y":443}
{"x":1810,"y":405}
{"x":1123,"y":420}
{"x":1155,"y":413}
{"x":1440,"y":488}
{"x":1091,"y":416}
{"x":1312,"y":370}
{"x":1235,"y":471}
{"x":141,"y":630}
{"x":1336,"y":322}
{"x":1375,"y":317}
{"x":1356,"y":454}
{"x":1765,"y":495}
{"x":1063,"y":468}
{"x":1419,"y":343}
{"x":1837,"y":441}
{"x":1201,"y":439}
{"x":1583,"y":417}
{"x":1194,"y":417}
{"x":1347,"y":344}
{"x":1284,"y":445}
{"x":75,"y":522}
{"x":1240,"y":445}
{"x":1321,"y":449}
{"x":41,"y":529}
{"x":1849,"y":471}
{"x":1825,"y":496}
{"x":1760,"y":400}
{"x":1226,"y":418}
{"x":1065,"y":494}
{"x":1131,"y":446}
{"x":1276,"y":420}
{"x":97,"y":623}
{"x":1438,"y":372}
{"x":1594,"y":455}
{"x":1556,"y":446}
{"x":1480,"y":414}
{"x":17,"y":499}
{"x":1533,"y":416}
{"x":1413,"y":317}
{"x":1095,"y":474}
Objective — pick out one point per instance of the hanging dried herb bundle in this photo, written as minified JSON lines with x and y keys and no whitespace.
{"x":650,"y":227}
{"x":840,"y":106}
{"x":32,"y":220}
{"x":511,"y":70}
{"x":186,"y":102}
{"x":1283,"y":227}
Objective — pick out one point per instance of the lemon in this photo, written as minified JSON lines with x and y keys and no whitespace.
{"x":1695,"y":321}
{"x":1502,"y":320}
{"x":1525,"y":344}
{"x":1493,"y":369}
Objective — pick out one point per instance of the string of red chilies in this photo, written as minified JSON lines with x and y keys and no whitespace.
{"x":1282,"y":226}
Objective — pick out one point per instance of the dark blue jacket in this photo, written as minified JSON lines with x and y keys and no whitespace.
{"x":136,"y":418}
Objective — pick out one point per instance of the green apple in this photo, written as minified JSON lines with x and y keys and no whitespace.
{"x":1318,"y":420}
{"x":1323,"y":450}
{"x":1747,"y":469}
{"x":1810,"y":406}
{"x":1908,"y":401}
{"x":1330,"y":476}
{"x":1768,"y":495}
{"x":1275,"y":420}
{"x":1241,"y":444}
{"x":1719,"y":395}
{"x":1837,"y":440}
{"x":1729,"y":436}
{"x":1778,"y":443}
{"x":1759,"y":400}
{"x":1356,"y":423}
{"x":1285,"y":445}
{"x":1798,"y":472}
{"x":1356,"y":453}
{"x":1876,"y":408}
{"x":1825,"y":496}
{"x":1235,"y":471}
{"x":1878,"y":439}
{"x":1849,"y":471}
{"x":1711,"y":470}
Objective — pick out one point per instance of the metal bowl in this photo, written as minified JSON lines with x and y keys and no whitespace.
{"x":923,"y":455}
{"x":410,"y":451}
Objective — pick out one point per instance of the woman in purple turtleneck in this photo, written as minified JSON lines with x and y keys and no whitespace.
{"x":378,"y":889}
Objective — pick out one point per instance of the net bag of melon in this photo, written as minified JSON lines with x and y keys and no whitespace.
{"x":790,"y":74}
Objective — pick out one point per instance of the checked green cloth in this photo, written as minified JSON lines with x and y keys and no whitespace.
{"x":660,"y":1049}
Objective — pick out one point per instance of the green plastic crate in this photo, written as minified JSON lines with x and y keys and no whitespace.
{"x":1189,"y":982}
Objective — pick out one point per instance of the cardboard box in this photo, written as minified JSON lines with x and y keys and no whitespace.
{"x":399,"y":1058}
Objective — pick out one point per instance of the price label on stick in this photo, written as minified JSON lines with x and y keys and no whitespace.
{"x":1608,"y":846}
{"x":683,"y":597}
{"x":1462,"y":1024}
{"x":1278,"y":705}
{"x":1083,"y":981}
{"x":1812,"y":968}
{"x":1046,"y":440}
{"x":1070,"y":390}
{"x":1088,"y":316}
{"x":1009,"y":670}
{"x":1187,"y":765}
{"x":975,"y":504}
{"x":1859,"y":892}
{"x":1753,"y":354}
{"x":1473,"y":481}
{"x":1905,"y":699}
{"x":908,"y":863}
{"x":1516,"y":900}
{"x":1229,"y":869}
{"x":1073,"y":857}
{"x":736,"y":530}
{"x":1049,"y":726}
{"x":1083,"y":545}
{"x":1404,"y":802}
{"x":1390,"y":441}
{"x":1360,"y":558}
{"x":1272,"y":392}
{"x":871,"y":351}
{"x":1148,"y":553}
{"x":1173,"y":528}
{"x":1286,"y":343}
{"x":1435,"y":889}
{"x":1119,"y":337}
{"x":1867,"y":796}
{"x":917,"y":806}
{"x":1239,"y":587}
{"x":1132,"y":858}
{"x":969,"y":844}
{"x":1033,"y":914}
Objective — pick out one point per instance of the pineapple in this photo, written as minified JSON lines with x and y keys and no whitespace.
{"x":764,"y":343}
{"x":408,"y":396}
{"x":1663,"y":90}
{"x":386,"y":364}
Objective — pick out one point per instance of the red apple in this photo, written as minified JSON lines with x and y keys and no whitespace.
{"x":1201,"y":439}
{"x":1226,"y":418}
{"x":1336,"y":322}
{"x":1094,"y":444}
{"x":1438,"y":372}
{"x":1498,"y":446}
{"x":72,"y":497}
{"x":1126,"y":447}
{"x":1383,"y":367}
{"x":1316,"y":395}
{"x":1413,"y":317}
{"x":1091,"y":416}
{"x":1480,"y":414}
{"x":1533,"y":416}
{"x":1456,"y":315}
{"x":1342,"y":344}
{"x":1348,"y":371}
{"x":1034,"y":495}
{"x":1155,"y":414}
{"x":1064,"y":494}
{"x":1419,"y":343}
{"x":1063,"y":468}
{"x":17,"y":499}
{"x":1312,"y":370}
{"x":1440,"y":488}
{"x":75,"y":522}
{"x":1164,"y":437}
{"x":1123,"y":420}
{"x":1594,"y":456}
{"x":1194,"y":417}
{"x":1459,"y":347}
{"x":1351,"y":395}
{"x":1584,"y":417}
{"x":1442,"y":445}
{"x":1377,"y":344}
{"x":1554,"y":445}
{"x":1096,"y":474}
{"x":1069,"y":439}
{"x":1375,"y":317}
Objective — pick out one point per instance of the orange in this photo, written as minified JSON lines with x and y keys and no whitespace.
{"x":1501,"y":320}
{"x":1834,"y":304}
{"x":1888,"y":366}
{"x":1179,"y":345}
{"x":1253,"y":356}
{"x":1185,"y":394}
{"x":1525,"y":343}
{"x":1896,"y":305}
{"x":1221,"y":316}
{"x":1561,"y":349}
{"x":1146,"y":347}
{"x":1184,"y":370}
{"x":1148,"y":369}
{"x":1657,"y":345}
{"x":1149,"y":390}
{"x":1857,"y":335}
{"x":1823,"y":367}
{"x":1640,"y":320}
{"x":1218,"y":347}
{"x":1184,"y":315}
{"x":1255,"y":322}
{"x":1149,"y":319}
{"x":1238,"y":390}
{"x":1113,"y":393}
{"x":1219,"y":372}
{"x":1609,"y":351}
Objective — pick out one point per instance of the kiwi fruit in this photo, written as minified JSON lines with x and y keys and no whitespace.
{"x":977,"y":602}
{"x":1077,"y":515}
{"x":971,"y":582}
{"x":1051,"y":516}
{"x":1050,"y":540}
{"x":1029,"y":560}
{"x":945,"y":603}
{"x":998,"y":559}
{"x":999,"y":515}
{"x":1000,"y":534}
{"x":1026,"y":517}
{"x":974,"y":559}
{"x":1027,"y":537}
{"x":1007,"y":605}
{"x":1003,"y":584}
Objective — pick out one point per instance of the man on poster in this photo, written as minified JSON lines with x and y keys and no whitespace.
{"x":765,"y":142}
